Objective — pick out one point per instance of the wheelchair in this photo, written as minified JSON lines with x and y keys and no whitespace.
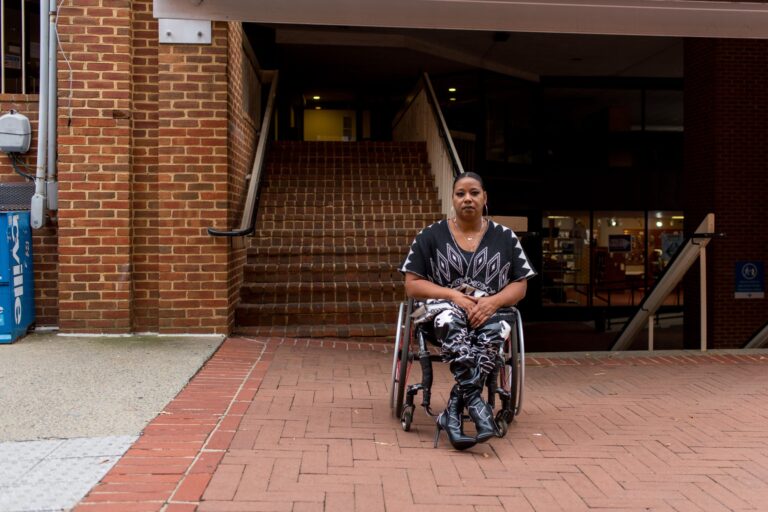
{"x":411,"y":345}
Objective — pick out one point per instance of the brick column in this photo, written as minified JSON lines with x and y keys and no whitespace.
{"x":192,"y":178}
{"x":242,"y":146}
{"x":146,"y":278}
{"x":94,"y":169}
{"x":726,"y":153}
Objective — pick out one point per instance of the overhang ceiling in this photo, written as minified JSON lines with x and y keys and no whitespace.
{"x":678,"y":18}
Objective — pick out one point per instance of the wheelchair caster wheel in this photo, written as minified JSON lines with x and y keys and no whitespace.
{"x":406,"y":418}
{"x":502,"y":422}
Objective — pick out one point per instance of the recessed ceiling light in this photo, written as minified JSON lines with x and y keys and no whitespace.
{"x":451,"y":89}
{"x":453,"y":99}
{"x":315,"y":97}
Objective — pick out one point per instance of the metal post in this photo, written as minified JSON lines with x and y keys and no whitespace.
{"x":37,"y":210}
{"x":2,"y":48}
{"x":703,"y":296}
{"x":650,"y":333}
{"x":23,"y":47}
{"x":51,"y":184}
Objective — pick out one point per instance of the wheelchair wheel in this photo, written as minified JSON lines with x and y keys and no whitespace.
{"x":512,"y":374}
{"x":396,"y":357}
{"x":406,"y":418}
{"x":401,"y":360}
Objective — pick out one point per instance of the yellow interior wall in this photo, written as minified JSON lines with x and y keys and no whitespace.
{"x":328,"y":124}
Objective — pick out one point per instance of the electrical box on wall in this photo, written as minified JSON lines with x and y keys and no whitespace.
{"x":15,"y":133}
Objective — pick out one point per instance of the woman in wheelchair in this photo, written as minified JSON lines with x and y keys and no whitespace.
{"x":467,"y":271}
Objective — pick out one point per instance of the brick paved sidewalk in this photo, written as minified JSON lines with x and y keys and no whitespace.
{"x":294,"y":426}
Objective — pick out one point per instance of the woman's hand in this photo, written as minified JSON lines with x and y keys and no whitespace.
{"x":482,"y":311}
{"x":465,"y":302}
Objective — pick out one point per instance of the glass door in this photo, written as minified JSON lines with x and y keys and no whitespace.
{"x":565,"y":258}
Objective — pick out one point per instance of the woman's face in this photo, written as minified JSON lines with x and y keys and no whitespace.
{"x":468,"y":198}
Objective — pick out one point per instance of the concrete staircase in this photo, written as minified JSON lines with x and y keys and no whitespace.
{"x":335,"y":220}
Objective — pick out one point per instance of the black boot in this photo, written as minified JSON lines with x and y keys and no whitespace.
{"x":470,"y":382}
{"x":450,"y":421}
{"x":481,"y":414}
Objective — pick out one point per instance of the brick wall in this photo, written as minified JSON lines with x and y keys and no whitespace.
{"x":242,"y":130}
{"x":193,"y":183}
{"x":44,"y":241}
{"x":95,"y":169}
{"x":726,"y":150}
{"x":145,"y":239}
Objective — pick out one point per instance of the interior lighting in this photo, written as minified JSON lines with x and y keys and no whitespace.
{"x":451,"y":89}
{"x":613,"y":223}
{"x":452,"y":99}
{"x":678,"y":217}
{"x":659,"y":224}
{"x":658,"y":215}
{"x":315,"y":98}
{"x":318,"y":108}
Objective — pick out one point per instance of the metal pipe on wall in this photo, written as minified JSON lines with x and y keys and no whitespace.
{"x":52,"y":186}
{"x":37,"y":211}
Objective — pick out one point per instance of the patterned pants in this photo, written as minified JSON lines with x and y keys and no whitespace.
{"x":471,"y":352}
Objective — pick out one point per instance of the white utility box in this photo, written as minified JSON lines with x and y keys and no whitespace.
{"x":15,"y":133}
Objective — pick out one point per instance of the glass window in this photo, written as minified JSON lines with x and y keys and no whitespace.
{"x":619,"y":258}
{"x":665,"y":237}
{"x":565,"y":258}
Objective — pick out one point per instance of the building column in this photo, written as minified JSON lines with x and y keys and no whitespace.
{"x":192,"y":186}
{"x":94,"y":169}
{"x":726,"y":153}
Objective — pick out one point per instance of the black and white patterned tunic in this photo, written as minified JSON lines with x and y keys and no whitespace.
{"x":498,"y":260}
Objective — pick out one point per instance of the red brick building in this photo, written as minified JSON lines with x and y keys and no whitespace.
{"x":155,"y":142}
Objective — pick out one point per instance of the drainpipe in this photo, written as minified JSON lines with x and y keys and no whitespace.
{"x":52,"y":186}
{"x":37,"y":212}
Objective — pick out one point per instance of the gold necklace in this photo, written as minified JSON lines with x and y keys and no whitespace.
{"x":470,"y":238}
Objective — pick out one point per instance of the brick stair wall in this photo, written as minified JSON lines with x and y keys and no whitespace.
{"x":334,"y":222}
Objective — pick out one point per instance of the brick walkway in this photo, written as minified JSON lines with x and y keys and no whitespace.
{"x":295,"y":426}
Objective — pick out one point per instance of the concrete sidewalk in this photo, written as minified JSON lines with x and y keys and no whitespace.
{"x":71,"y":406}
{"x":271,"y":424}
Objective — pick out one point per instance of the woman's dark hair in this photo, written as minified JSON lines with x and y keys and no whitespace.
{"x":472,"y":175}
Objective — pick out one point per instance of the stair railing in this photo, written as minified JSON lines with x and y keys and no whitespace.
{"x":422,"y":119}
{"x":693,"y":249}
{"x":248,"y":219}
{"x":760,"y":339}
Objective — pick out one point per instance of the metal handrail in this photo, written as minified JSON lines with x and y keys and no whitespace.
{"x":670,"y":277}
{"x":425,"y":83}
{"x":248,"y":220}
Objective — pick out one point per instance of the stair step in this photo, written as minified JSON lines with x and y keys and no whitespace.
{"x":374,"y":180}
{"x":331,"y":238}
{"x":322,"y":254}
{"x":323,"y":197}
{"x":330,"y":202}
{"x":303,"y":292}
{"x":370,"y":333}
{"x":358,"y":171}
{"x":348,"y":188}
{"x":349,"y":210}
{"x":387,"y":217}
{"x":322,"y":313}
{"x":412,"y":226}
{"x":321,"y":272}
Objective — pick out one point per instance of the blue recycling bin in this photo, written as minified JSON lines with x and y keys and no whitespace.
{"x":17,"y":302}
